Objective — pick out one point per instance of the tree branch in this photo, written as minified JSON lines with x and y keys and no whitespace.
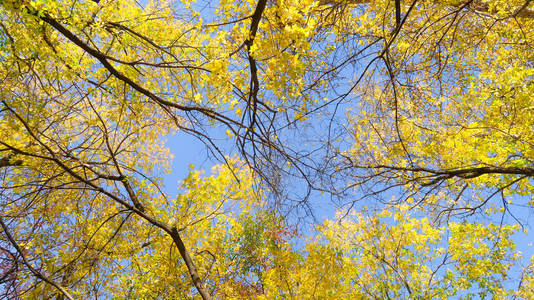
{"x":464,"y":173}
{"x":30,"y":267}
{"x":8,"y":162}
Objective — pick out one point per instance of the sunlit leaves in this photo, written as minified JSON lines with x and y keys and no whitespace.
{"x":441,"y":110}
{"x":458,"y":97}
{"x":394,"y":254}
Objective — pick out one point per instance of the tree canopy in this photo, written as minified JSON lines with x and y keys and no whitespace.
{"x":413,"y":121}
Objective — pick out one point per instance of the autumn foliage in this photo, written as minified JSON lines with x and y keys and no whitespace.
{"x":378,"y":149}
